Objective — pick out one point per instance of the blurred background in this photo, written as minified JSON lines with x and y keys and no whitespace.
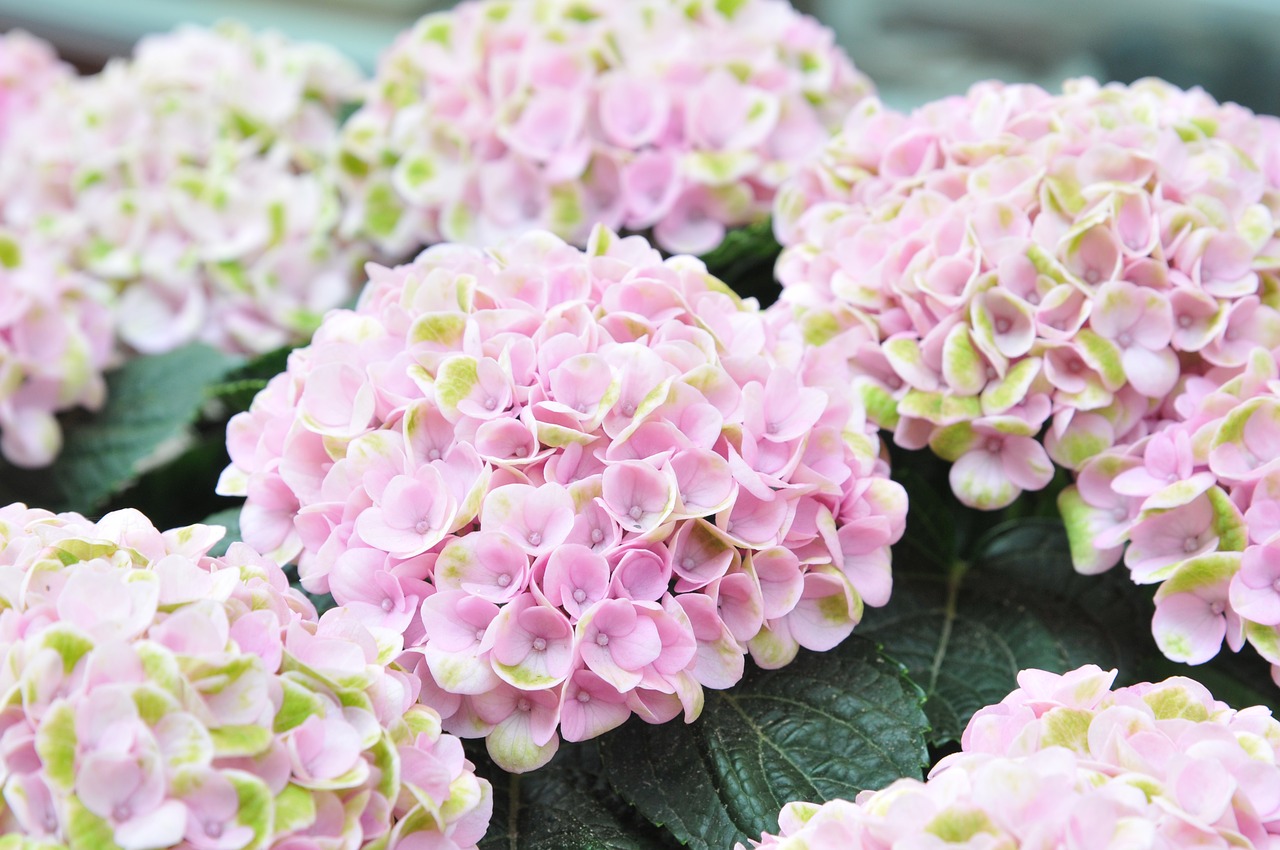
{"x":916,"y":50}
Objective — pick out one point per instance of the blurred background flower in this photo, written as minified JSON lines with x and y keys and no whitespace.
{"x":916,"y":50}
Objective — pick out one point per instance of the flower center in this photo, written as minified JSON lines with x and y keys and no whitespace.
{"x":895,"y":383}
{"x":602,"y":639}
{"x":479,"y":635}
{"x":1033,"y":298}
{"x":523,"y":704}
{"x":636,"y":512}
{"x":1092,"y":275}
{"x":1003,"y":325}
{"x":628,"y":409}
{"x":213,"y":829}
{"x":1076,"y":366}
{"x":992,"y":374}
{"x":122,"y":812}
{"x":583,"y":696}
{"x":579,"y":595}
{"x":434,"y":454}
{"x":1125,"y":339}
{"x":490,"y":403}
{"x":596,"y":535}
{"x":1191,"y":544}
{"x":1217,"y":608}
{"x":1231,"y":335}
{"x":504,"y":580}
{"x":518,"y":451}
{"x":688,"y":563}
{"x":539,"y":644}
{"x":994,"y":444}
{"x":771,"y":427}
{"x":387,"y":605}
{"x":1185,"y":321}
{"x":535,"y":538}
{"x":422,"y":526}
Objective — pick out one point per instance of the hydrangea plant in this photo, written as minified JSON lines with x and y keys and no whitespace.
{"x":581,"y":485}
{"x":1013,"y":261}
{"x":55,"y":341}
{"x":499,"y":117}
{"x":194,"y":179}
{"x":155,"y":697}
{"x":1064,"y":761}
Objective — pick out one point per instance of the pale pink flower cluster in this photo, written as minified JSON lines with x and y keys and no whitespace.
{"x":55,"y":334}
{"x":160,"y":698}
{"x":1013,"y":260}
{"x":501,"y":117}
{"x":195,"y":179}
{"x":582,"y":485}
{"x":29,"y":67}
{"x":1065,"y":762}
{"x":1198,"y":505}
{"x":55,"y":341}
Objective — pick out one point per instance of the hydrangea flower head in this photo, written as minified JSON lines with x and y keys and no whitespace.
{"x":55,"y":341}
{"x":156,"y":697}
{"x":29,"y":67}
{"x":195,"y":180}
{"x":500,"y":117}
{"x":1014,"y":261}
{"x":1195,"y":509}
{"x":1067,"y":762}
{"x":581,"y":484}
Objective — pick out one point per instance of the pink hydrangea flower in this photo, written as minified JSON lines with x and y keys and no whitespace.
{"x":1019,"y":277}
{"x":500,"y":117}
{"x":172,"y":699}
{"x":195,"y":179}
{"x":1066,"y":762}
{"x":1198,"y":504}
{"x":582,"y":485}
{"x":55,"y":342}
{"x":29,"y":68}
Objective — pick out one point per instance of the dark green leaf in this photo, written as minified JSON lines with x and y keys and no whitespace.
{"x":237,"y":389}
{"x":827,"y":726}
{"x":566,"y":805}
{"x":933,"y":532}
{"x":151,"y":402}
{"x":963,"y":636}
{"x":181,"y":491}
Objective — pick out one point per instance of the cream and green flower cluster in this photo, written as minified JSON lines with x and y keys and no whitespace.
{"x":183,"y":194}
{"x":194,"y":179}
{"x":1195,"y":509}
{"x":680,"y":116}
{"x":157,"y":697}
{"x":1025,"y":278}
{"x":1066,"y":762}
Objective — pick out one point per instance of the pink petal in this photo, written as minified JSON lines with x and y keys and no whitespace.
{"x":1187,"y":629}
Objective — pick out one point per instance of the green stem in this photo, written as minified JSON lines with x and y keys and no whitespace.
{"x":957,"y":573}
{"x":513,"y":811}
